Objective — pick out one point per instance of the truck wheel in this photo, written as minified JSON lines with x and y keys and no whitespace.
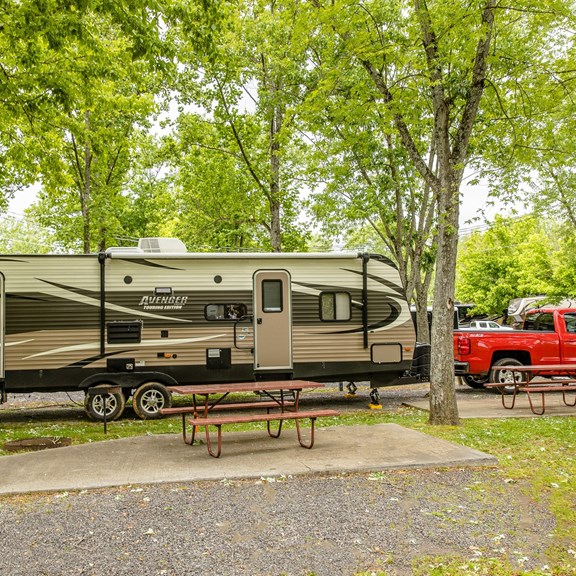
{"x":94,"y":405}
{"x":149,"y":399}
{"x":506,"y":376}
{"x":476,"y":382}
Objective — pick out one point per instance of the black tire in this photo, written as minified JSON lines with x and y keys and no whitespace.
{"x":506,"y":376}
{"x":149,"y":399}
{"x":94,"y":405}
{"x":476,"y":382}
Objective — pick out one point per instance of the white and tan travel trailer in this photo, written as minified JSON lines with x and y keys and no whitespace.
{"x":144,"y":318}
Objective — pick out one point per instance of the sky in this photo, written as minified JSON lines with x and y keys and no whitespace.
{"x":22,"y":200}
{"x":474,"y":199}
{"x":474,"y":202}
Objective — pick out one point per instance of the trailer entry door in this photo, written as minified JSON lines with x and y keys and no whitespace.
{"x":272,"y":321}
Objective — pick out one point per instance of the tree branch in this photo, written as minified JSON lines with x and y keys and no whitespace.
{"x":240,"y":143}
{"x":460,"y":146}
{"x":401,"y":126}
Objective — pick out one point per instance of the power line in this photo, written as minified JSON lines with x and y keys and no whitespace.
{"x":487,"y":225}
{"x":13,"y":215}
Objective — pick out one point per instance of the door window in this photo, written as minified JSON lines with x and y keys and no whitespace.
{"x":272,"y":296}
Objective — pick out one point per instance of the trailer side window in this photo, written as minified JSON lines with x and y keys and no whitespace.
{"x":335,"y":306}
{"x":225,"y":311}
{"x":272,"y":296}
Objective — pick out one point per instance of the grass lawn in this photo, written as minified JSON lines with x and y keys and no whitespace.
{"x":537,"y":454}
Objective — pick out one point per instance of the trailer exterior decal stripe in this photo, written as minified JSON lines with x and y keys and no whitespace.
{"x":398,"y":289}
{"x":151,"y":264}
{"x":12,"y":260}
{"x":21,"y":342}
{"x":144,"y":343}
{"x":92,"y":300}
{"x":396,"y":310}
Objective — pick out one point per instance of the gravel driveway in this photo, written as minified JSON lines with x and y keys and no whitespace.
{"x":325,"y":525}
{"x":322,"y":525}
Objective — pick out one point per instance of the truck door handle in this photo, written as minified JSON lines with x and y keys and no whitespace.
{"x":259,"y":321}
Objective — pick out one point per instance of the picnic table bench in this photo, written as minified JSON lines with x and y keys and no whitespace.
{"x":186,"y":410}
{"x":218,"y":421}
{"x":282,"y":396}
{"x":540,"y":379}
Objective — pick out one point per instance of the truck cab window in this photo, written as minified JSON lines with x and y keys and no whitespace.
{"x":570,"y":320}
{"x":543,"y":322}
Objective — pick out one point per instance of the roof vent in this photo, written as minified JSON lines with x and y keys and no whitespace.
{"x":161,"y":245}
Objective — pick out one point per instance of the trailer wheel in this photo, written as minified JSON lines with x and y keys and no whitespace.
{"x":476,"y":382}
{"x":506,"y":376}
{"x":94,"y":405}
{"x":149,"y":399}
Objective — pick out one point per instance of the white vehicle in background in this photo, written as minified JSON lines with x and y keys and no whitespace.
{"x":488,"y":325}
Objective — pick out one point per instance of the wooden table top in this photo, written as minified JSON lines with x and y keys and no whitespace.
{"x":245,"y":387}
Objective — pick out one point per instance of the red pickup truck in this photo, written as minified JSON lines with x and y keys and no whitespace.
{"x":548,"y":336}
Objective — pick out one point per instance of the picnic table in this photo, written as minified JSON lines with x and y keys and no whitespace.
{"x":535,"y":379}
{"x":278,"y":401}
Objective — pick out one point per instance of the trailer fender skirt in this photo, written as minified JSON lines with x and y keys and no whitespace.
{"x":127,"y":379}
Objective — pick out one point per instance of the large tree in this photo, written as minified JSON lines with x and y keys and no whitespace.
{"x":220,"y":206}
{"x":250,"y":83}
{"x":512,"y":259}
{"x":47,"y":50}
{"x":428,"y":64}
{"x":87,"y":144}
{"x":450,"y":76}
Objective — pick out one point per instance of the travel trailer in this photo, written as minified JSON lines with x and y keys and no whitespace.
{"x":141,"y":319}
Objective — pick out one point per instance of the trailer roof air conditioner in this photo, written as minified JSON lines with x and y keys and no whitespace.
{"x":161,"y":245}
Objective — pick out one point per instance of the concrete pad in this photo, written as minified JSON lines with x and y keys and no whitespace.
{"x":486,"y":404}
{"x":165,"y":458}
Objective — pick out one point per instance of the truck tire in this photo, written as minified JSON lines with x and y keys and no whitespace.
{"x":476,"y":382}
{"x":149,"y":399}
{"x":94,"y":405}
{"x":505,"y":376}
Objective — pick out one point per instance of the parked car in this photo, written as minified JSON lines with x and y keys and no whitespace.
{"x":488,"y":325}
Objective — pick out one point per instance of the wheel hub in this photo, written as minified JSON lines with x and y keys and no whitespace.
{"x":152,"y":401}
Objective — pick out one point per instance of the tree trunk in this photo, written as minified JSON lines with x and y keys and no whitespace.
{"x":274,"y":200}
{"x":86,"y":187}
{"x":451,"y":161}
{"x":421,"y":301}
{"x":443,"y":407}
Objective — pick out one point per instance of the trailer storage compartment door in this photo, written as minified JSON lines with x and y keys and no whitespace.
{"x":272,"y":321}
